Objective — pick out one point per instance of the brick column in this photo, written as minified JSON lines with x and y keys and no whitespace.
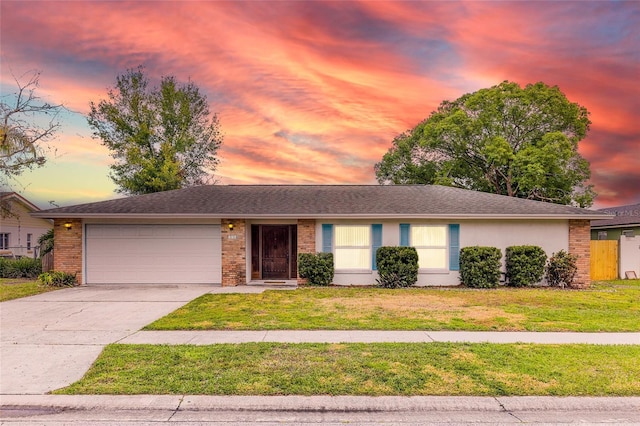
{"x":67,"y":250}
{"x":306,"y":240}
{"x":580,"y":245}
{"x":234,"y":253}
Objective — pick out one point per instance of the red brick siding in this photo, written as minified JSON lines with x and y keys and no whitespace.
{"x":580,"y":245}
{"x":306,"y":240}
{"x":67,"y":253}
{"x":234,"y":252}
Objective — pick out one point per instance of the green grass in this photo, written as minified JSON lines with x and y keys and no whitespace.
{"x":17,"y":288}
{"x":612,"y":306}
{"x":364,"y":369}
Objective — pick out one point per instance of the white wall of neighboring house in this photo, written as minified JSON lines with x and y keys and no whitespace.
{"x":19,"y":224}
{"x":629,"y":256}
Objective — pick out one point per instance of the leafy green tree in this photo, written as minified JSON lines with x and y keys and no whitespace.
{"x":27,"y":123}
{"x":162,"y":138}
{"x":520,"y":142}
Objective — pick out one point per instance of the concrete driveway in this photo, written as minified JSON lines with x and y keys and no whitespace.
{"x":50,"y":340}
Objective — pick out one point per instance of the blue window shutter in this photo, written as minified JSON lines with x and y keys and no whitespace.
{"x":376,"y":239}
{"x":327,"y":238}
{"x":404,"y":235}
{"x":454,"y":247}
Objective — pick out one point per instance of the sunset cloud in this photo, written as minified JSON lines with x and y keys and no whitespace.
{"x":314,"y":92}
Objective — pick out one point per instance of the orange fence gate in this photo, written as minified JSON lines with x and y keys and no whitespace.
{"x":604,"y":259}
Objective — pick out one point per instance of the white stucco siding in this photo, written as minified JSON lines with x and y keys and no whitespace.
{"x":390,"y":237}
{"x":551,"y":235}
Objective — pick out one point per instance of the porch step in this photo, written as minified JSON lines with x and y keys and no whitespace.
{"x":274,"y":283}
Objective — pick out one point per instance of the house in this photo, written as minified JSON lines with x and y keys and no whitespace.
{"x":626,"y":222}
{"x":245,"y":234}
{"x":19,"y":231}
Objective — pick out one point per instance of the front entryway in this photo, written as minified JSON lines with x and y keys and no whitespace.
{"x":274,"y":252}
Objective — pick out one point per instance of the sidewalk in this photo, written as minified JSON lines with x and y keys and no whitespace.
{"x":175,"y":409}
{"x":375,"y":336}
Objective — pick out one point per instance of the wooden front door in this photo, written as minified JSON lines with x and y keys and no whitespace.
{"x":273,"y":252}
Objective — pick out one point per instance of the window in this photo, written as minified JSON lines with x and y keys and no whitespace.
{"x":628,"y":233}
{"x":29,"y":241}
{"x":352,"y":247}
{"x":431,"y":244}
{"x":602,"y":235}
{"x":4,"y":241}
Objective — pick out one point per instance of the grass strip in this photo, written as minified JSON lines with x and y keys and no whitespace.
{"x":364,"y":369}
{"x":608,"y":306}
{"x":15,"y":289}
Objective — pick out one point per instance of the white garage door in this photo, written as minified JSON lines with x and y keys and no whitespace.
{"x":153,"y":254}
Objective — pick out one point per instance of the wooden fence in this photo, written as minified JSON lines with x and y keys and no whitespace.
{"x":604,"y":259}
{"x":47,"y":262}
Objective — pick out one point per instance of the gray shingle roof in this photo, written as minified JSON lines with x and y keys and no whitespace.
{"x":320,"y":201}
{"x":625,"y":216}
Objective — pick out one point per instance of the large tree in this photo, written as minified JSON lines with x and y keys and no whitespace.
{"x":27,"y":124}
{"x":161,"y":137}
{"x":520,"y":142}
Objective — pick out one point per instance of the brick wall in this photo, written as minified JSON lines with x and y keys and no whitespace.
{"x":67,"y":252}
{"x":234,"y":252}
{"x":306,"y":240}
{"x":580,"y":245}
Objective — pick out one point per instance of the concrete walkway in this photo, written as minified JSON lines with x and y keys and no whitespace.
{"x":375,"y":336}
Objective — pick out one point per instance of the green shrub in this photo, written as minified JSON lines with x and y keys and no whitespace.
{"x":525,"y":265}
{"x":24,"y":267}
{"x":317,"y":268}
{"x":397,"y":266}
{"x":57,"y":279}
{"x":480,"y":266}
{"x":561,"y":269}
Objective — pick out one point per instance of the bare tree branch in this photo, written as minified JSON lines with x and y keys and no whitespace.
{"x":27,"y":123}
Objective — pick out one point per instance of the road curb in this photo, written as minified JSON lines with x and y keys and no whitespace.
{"x":296,"y":403}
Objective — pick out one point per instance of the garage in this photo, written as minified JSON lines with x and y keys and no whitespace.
{"x":152,"y":254}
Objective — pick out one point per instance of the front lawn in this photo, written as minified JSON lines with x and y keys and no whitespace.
{"x":612,"y":306}
{"x":364,"y":369}
{"x":15,"y":288}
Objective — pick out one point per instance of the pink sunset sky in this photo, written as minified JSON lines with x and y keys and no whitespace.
{"x":315,"y":91}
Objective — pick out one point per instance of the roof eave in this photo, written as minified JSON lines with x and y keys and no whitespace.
{"x":624,"y":225}
{"x":563,"y":216}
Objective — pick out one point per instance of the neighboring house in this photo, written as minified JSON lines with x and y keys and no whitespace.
{"x":626,"y":222}
{"x":19,"y":231}
{"x":234,"y":235}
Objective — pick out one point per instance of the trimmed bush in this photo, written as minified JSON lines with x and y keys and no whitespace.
{"x":525,"y":265}
{"x":480,"y":266}
{"x":561,"y":269}
{"x":57,"y":279}
{"x":24,"y":267}
{"x":317,"y":268}
{"x":397,"y":266}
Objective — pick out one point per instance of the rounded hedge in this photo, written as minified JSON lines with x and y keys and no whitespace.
{"x":480,"y":266}
{"x":397,"y":266}
{"x":317,"y":268}
{"x":525,"y":265}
